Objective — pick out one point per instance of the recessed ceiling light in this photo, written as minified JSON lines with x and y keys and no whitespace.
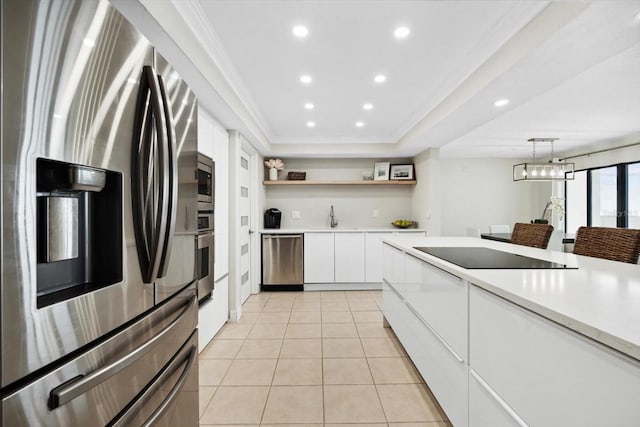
{"x":311,"y":124}
{"x":637,"y":17}
{"x":57,"y":116}
{"x":368,"y":106}
{"x":401,"y":32}
{"x":306,"y":79}
{"x":380,"y":78}
{"x":89,"y":42}
{"x":359,"y":124}
{"x":501,"y":102}
{"x":300,"y":31}
{"x":132,"y":80}
{"x":309,"y":106}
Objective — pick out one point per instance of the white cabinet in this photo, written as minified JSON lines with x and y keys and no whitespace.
{"x":319,"y":258}
{"x":486,"y":408}
{"x":392,"y":264}
{"x":547,"y":374}
{"x":441,"y":300}
{"x":349,"y":257}
{"x":213,"y":141}
{"x":373,"y":256}
{"x":444,"y":368}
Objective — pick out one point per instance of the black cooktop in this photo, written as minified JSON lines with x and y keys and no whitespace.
{"x":485,"y":258}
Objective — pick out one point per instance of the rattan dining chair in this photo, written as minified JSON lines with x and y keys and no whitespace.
{"x":534,"y":235}
{"x":615,"y":244}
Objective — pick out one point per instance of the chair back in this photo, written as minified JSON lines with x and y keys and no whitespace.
{"x":499,"y":229}
{"x":615,"y":244}
{"x":534,"y":235}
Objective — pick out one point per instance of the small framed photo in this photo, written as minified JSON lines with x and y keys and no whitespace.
{"x":401,"y":172}
{"x":381,"y":171}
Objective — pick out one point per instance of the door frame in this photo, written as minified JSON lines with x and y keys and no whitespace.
{"x":237,"y":143}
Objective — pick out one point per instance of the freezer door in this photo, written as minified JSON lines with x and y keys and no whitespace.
{"x":148,"y":371}
{"x":70,"y":73}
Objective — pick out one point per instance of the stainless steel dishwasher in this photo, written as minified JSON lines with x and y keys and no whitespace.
{"x":282,"y":261}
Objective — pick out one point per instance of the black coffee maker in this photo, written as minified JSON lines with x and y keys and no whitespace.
{"x":272,"y":218}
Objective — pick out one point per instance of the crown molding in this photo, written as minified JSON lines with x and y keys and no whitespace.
{"x":193,"y":13}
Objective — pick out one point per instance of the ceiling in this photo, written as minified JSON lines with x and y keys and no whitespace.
{"x":570,"y":70}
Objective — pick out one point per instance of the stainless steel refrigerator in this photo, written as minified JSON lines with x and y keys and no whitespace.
{"x":99,"y":199}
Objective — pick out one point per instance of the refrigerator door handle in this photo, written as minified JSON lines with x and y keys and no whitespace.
{"x":172,"y":193}
{"x":178,"y":360}
{"x":79,"y":385}
{"x":149,"y":180}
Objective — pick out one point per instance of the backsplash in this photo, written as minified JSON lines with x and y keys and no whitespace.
{"x":354,"y":205}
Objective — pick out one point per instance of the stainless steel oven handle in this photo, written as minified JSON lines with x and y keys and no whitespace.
{"x":181,"y":359}
{"x":80,"y":385}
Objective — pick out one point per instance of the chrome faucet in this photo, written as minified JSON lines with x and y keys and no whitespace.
{"x":334,"y":223}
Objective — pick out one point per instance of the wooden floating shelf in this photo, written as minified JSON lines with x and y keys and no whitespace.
{"x":337,"y":182}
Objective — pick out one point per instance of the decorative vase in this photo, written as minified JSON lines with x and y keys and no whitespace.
{"x":273,"y":174}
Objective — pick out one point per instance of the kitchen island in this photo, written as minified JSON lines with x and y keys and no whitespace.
{"x":518,"y":346}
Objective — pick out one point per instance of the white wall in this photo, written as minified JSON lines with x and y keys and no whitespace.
{"x":426,"y":205}
{"x":353,"y":204}
{"x":461,"y":193}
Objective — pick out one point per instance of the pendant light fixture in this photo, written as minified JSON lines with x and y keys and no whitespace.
{"x":543,"y":171}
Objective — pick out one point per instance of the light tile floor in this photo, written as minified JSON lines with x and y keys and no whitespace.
{"x":312,"y":358}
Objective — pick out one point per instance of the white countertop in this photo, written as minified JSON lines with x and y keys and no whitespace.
{"x":339,"y":230}
{"x":601,"y":299}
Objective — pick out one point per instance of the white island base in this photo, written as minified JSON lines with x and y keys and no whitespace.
{"x":519,"y":347}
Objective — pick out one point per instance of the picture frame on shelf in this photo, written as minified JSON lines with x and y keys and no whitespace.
{"x":402,"y":172}
{"x":381,"y":171}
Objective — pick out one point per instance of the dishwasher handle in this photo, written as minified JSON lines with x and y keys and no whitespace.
{"x":281,"y":236}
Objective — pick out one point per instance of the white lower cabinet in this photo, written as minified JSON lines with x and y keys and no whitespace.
{"x":349,"y":257}
{"x":442,"y":302}
{"x":319,"y":257}
{"x":443,"y":368}
{"x":392,"y":264}
{"x":490,"y":362}
{"x":373,"y":256}
{"x":547,"y":374}
{"x":486,"y":408}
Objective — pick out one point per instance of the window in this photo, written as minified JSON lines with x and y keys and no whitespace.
{"x":633,"y":195}
{"x":604,"y":197}
{"x":576,"y":202}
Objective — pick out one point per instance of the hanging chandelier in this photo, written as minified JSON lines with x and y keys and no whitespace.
{"x":543,"y":171}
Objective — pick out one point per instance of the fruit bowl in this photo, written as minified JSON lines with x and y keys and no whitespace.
{"x":404,"y":223}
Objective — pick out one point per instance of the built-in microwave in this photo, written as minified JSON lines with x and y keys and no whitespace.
{"x":206,"y":183}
